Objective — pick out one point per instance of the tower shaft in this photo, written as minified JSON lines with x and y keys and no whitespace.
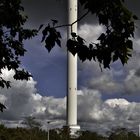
{"x":72,"y":70}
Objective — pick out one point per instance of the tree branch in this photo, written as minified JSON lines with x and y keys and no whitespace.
{"x":66,"y":25}
{"x":80,"y":18}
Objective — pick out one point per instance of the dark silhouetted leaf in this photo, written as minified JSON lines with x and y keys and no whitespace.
{"x":135,"y":17}
{"x":50,"y":43}
{"x":71,"y":45}
{"x":45,"y":32}
{"x":22,"y":75}
{"x":2,"y":107}
{"x":80,"y":40}
{"x":129,"y":44}
{"x":59,"y":35}
{"x":73,"y":34}
{"x":54,"y":21}
{"x":40,"y":27}
{"x":58,"y":42}
{"x":115,"y":57}
{"x":101,"y":37}
{"x":90,"y":46}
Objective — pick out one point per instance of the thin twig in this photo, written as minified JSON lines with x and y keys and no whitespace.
{"x":80,"y":18}
{"x":66,"y":25}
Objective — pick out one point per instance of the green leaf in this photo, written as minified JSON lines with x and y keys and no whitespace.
{"x":129,"y":44}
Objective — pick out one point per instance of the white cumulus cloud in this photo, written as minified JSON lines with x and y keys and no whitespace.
{"x":94,"y":113}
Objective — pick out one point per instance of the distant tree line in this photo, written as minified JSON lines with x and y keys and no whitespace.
{"x":35,"y":133}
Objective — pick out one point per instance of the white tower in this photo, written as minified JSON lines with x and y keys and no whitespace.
{"x":72,"y":71}
{"x":139,"y":131}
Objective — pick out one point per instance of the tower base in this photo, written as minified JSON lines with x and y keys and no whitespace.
{"x":73,"y":129}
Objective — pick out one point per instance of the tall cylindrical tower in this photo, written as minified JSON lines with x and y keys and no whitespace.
{"x":72,"y":70}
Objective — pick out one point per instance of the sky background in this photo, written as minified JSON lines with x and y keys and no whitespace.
{"x":108,"y":99}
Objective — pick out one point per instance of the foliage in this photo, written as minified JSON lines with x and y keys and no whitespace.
{"x":123,"y":134}
{"x":51,"y":36}
{"x":31,"y":122}
{"x":90,"y":136}
{"x":113,"y":44}
{"x":2,"y":107}
{"x":59,"y":134}
{"x":12,"y":36}
{"x":22,"y":134}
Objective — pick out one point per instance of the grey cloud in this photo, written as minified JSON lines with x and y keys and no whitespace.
{"x":23,"y":100}
{"x":55,"y":108}
{"x":90,"y":32}
{"x":105,"y":83}
{"x":109,"y":114}
{"x":109,"y":81}
{"x":89,"y":104}
{"x":19,"y":100}
{"x":137,"y":73}
{"x":131,"y":83}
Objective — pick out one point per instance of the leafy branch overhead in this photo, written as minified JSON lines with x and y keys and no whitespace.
{"x":12,"y":35}
{"x":51,"y":36}
{"x":113,"y":44}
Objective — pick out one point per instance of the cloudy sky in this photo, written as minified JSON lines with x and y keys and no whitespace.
{"x":108,"y":99}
